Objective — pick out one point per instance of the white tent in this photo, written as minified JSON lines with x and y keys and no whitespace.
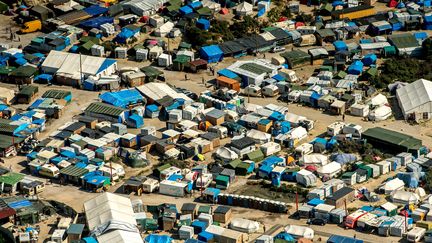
{"x":244,"y":225}
{"x":298,"y":133}
{"x":330,"y":170}
{"x":120,"y":236}
{"x":300,"y":231}
{"x":378,"y":100}
{"x":403,"y":197}
{"x":164,"y":29}
{"x":393,"y":185}
{"x":216,"y":7}
{"x":258,"y":136}
{"x":314,"y":159}
{"x":225,"y":154}
{"x":244,"y":9}
{"x":306,"y":178}
{"x":106,"y":207}
{"x":380,"y":114}
{"x":415,"y":97}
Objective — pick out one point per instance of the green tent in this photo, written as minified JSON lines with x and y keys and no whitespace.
{"x":233,"y":164}
{"x":3,"y":7}
{"x":255,"y":156}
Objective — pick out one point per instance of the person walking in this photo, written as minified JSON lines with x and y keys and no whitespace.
{"x":343,"y":117}
{"x":186,"y":78}
{"x":203,"y":80}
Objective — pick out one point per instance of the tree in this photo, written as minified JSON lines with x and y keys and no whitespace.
{"x":222,"y":29}
{"x":274,"y":15}
{"x":404,"y":70}
{"x":247,"y":26}
{"x":198,"y":37}
{"x":427,"y":48}
{"x":286,"y":12}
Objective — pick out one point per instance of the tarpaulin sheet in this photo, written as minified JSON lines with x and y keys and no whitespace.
{"x":96,"y":22}
{"x":122,"y":98}
{"x":95,"y":10}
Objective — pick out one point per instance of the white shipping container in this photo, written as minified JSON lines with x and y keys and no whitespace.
{"x":172,"y":188}
{"x":186,"y":232}
{"x":141,"y":54}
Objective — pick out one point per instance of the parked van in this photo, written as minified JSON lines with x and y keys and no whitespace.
{"x":252,"y":90}
{"x":416,"y":234}
{"x":335,"y":128}
{"x":355,"y":130}
{"x":49,"y":170}
{"x":224,"y":82}
{"x":270,"y":90}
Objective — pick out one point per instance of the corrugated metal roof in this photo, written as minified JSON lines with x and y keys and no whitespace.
{"x":56,"y":94}
{"x":105,"y":109}
{"x":73,"y":171}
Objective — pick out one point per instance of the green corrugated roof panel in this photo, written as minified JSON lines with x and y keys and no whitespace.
{"x":372,"y":71}
{"x":86,"y":39}
{"x":88,"y":45}
{"x":105,"y":109}
{"x":29,"y":90}
{"x":403,"y":40}
{"x":255,"y":68}
{"x":7,"y":128}
{"x":233,"y":164}
{"x":56,"y":94}
{"x":393,"y":137}
{"x":163,"y":167}
{"x":24,"y":71}
{"x":184,"y":45}
{"x":204,"y":10}
{"x":11,"y":178}
{"x":6,"y":70}
{"x":72,"y":170}
{"x":256,"y":155}
{"x":182,"y":59}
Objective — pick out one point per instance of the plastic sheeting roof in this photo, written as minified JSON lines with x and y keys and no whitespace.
{"x":156,"y":91}
{"x":69,"y":63}
{"x":415,"y":96}
{"x":244,"y":225}
{"x":108,"y":206}
{"x":120,"y":236}
{"x":122,"y":98}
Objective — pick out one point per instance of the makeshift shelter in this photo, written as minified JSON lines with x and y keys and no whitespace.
{"x":415,"y":100}
{"x":211,"y":53}
{"x":244,"y":9}
{"x":393,"y":185}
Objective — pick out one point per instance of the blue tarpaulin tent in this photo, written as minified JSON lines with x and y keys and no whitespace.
{"x":227,"y":73}
{"x":96,"y":22}
{"x":186,"y":10}
{"x":195,"y":5}
{"x":314,"y":202}
{"x":356,"y":68}
{"x":340,"y":46}
{"x":153,"y":238}
{"x":122,"y":98}
{"x":95,"y":10}
{"x":211,"y":53}
{"x":285,"y":236}
{"x":205,"y":236}
{"x":369,"y":59}
{"x":125,"y":34}
{"x":344,"y":158}
{"x":203,"y":24}
{"x":135,"y":121}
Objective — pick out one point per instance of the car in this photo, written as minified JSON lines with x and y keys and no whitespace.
{"x":317,"y":221}
{"x":277,"y":49}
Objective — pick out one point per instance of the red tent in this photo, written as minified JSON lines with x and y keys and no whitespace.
{"x":311,"y":168}
{"x":224,"y":11}
{"x":298,"y":24}
{"x":392,"y":4}
{"x":282,"y":19}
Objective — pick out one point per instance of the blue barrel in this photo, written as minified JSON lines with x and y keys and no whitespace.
{"x":230,"y":199}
